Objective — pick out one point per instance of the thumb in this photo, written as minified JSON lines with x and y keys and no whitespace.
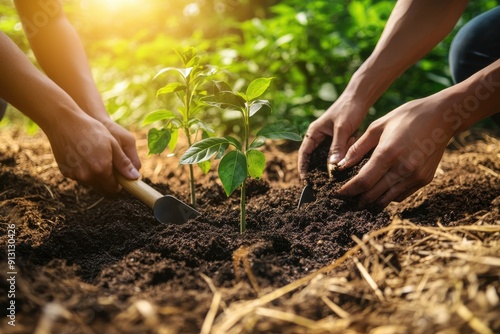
{"x":339,"y":146}
{"x":360,"y":148}
{"x":123,"y":164}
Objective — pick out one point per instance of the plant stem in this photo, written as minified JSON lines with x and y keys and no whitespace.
{"x":192,"y":188}
{"x":243,"y":225}
{"x":246,"y":131}
{"x":187,"y":117}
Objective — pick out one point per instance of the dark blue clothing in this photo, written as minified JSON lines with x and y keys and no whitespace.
{"x":476,"y":45}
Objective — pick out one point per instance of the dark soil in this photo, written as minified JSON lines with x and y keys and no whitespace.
{"x":97,"y":256}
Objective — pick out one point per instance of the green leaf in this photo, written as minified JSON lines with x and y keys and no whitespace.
{"x":200,"y":125}
{"x":232,"y":171}
{"x":357,"y":11}
{"x":257,"y":142}
{"x":158,"y":140}
{"x":235,"y":142}
{"x":243,"y":95}
{"x":205,"y":166}
{"x":279,"y":131}
{"x":205,"y":134}
{"x":257,"y":88}
{"x":158,"y":115}
{"x":174,"y":136}
{"x":183,"y":71}
{"x":225,"y":100}
{"x":222,"y":86}
{"x":204,"y":150}
{"x":171,"y":88}
{"x":193,"y":62}
{"x":256,"y":162}
{"x":256,"y":105}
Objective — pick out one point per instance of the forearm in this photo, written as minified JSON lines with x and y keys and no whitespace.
{"x":61,"y":55}
{"x":30,"y":91}
{"x":470,"y":101}
{"x":413,"y":29}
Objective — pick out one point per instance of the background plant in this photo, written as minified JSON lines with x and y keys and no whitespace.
{"x":310,"y":47}
{"x":189,"y":91}
{"x":244,"y":160}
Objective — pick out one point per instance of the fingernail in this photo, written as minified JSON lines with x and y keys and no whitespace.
{"x":341,"y":163}
{"x":331,"y":168}
{"x":134,"y":173}
{"x":334,"y":158}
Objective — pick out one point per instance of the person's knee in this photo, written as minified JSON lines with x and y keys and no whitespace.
{"x":476,"y":45}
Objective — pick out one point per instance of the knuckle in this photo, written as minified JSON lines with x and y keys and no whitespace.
{"x":386,"y":154}
{"x":363,"y":183}
{"x":373,"y":127}
{"x":129,"y":140}
{"x":123,"y":161}
{"x":353,"y":150}
{"x":368,"y":198}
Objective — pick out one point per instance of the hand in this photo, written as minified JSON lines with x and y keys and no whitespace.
{"x":126,"y":141}
{"x":340,"y":121}
{"x":89,"y":151}
{"x":409,"y":143}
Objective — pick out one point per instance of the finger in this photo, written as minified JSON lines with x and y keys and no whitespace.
{"x":122,"y":164}
{"x":98,"y":175}
{"x":385,"y":184}
{"x":397,"y":193}
{"x":130,"y":151}
{"x":311,"y":141}
{"x":339,"y":145}
{"x":360,"y":148}
{"x":350,"y":142}
{"x":376,"y":167}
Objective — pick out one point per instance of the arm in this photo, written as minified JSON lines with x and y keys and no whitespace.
{"x":60,"y":54}
{"x":86,"y":143}
{"x":83,"y":147}
{"x":413,"y":29}
{"x":409,"y":142}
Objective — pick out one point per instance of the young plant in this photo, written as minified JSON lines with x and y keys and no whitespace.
{"x":244,"y":160}
{"x":189,"y":90}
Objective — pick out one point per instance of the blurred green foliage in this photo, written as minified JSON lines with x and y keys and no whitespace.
{"x":311,"y":47}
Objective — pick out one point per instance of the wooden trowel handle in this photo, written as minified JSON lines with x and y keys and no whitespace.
{"x":139,"y":189}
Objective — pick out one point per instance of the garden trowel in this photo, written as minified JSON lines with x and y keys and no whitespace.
{"x":166,"y":209}
{"x":307,"y":195}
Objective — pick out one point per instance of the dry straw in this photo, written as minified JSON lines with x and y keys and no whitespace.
{"x":401,"y":279}
{"x":404,"y":278}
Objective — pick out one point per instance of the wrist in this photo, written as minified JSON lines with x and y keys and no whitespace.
{"x":369,"y":82}
{"x":95,"y":108}
{"x":472,"y":100}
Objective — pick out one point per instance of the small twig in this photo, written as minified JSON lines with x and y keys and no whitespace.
{"x":96,"y":203}
{"x":285,"y":316}
{"x":335,"y":308}
{"x":488,"y":170}
{"x":476,"y":324}
{"x":50,"y":191}
{"x":212,"y":287}
{"x":5,"y":192}
{"x":206,"y":328}
{"x":369,"y":279}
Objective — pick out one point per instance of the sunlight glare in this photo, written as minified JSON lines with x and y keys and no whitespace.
{"x":117,"y":5}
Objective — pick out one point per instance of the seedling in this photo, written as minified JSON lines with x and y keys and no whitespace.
{"x":189,"y":90}
{"x":244,"y":160}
